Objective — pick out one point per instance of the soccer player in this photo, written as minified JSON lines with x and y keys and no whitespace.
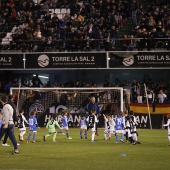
{"x":51,"y":126}
{"x":168,"y":124}
{"x":119,"y":124}
{"x":64,"y":120}
{"x":94,"y":105}
{"x":92,"y":120}
{"x":128,"y":129}
{"x":83,"y":126}
{"x":133,"y":129}
{"x":33,"y":124}
{"x":126,"y":119}
{"x":109,"y":127}
{"x":21,"y":124}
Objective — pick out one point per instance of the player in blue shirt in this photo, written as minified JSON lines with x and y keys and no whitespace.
{"x":83,"y":126}
{"x":119,"y":126}
{"x":64,"y":120}
{"x":32,"y":122}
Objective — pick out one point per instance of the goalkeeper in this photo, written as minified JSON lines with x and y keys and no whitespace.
{"x":51,"y":126}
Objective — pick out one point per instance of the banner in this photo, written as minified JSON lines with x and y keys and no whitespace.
{"x":65,"y":60}
{"x":143,"y":121}
{"x":139,"y":60}
{"x":139,"y":108}
{"x":44,"y":115}
{"x":11,"y":61}
{"x":157,"y":113}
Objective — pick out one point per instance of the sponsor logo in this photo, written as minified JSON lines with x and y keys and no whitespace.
{"x":128,"y":61}
{"x":38,"y":108}
{"x":43,"y":60}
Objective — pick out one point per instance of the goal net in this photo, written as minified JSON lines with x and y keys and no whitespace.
{"x":46,"y":101}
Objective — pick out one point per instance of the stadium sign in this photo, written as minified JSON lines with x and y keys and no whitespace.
{"x":139,"y":60}
{"x":65,"y":60}
{"x":44,"y":116}
{"x":11,"y":61}
{"x":143,"y":121}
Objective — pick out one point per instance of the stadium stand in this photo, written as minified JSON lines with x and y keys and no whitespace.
{"x":83,"y":25}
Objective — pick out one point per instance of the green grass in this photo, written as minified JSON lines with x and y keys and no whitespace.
{"x":80,"y":154}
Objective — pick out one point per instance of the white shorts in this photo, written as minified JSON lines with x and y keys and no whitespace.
{"x":94,"y":128}
{"x":168,"y":130}
{"x":106,"y":131}
{"x":120,"y":131}
{"x":83,"y":127}
{"x":22,"y":129}
{"x":64,"y":128}
{"x":112,"y":131}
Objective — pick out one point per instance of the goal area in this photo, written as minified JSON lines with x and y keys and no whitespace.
{"x":47,"y":101}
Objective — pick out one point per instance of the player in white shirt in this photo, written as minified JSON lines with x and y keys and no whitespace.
{"x":92,"y":120}
{"x":168,"y":125}
{"x":83,"y":126}
{"x":21,"y":124}
{"x":133,"y":129}
{"x":125,"y":117}
{"x":109,"y":127}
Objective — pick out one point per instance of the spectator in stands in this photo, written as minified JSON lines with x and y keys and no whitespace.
{"x":140,"y":92}
{"x":45,"y":7}
{"x":2,"y":21}
{"x":113,"y":34}
{"x":127,"y":94}
{"x":7,"y":88}
{"x":50,"y":43}
{"x":125,"y":43}
{"x":97,"y":38}
{"x":36,"y":82}
{"x":134,"y":8}
{"x":15,"y":83}
{"x":140,"y":43}
{"x":134,"y":90}
{"x":161,"y":96}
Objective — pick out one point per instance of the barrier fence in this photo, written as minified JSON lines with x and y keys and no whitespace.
{"x":85,"y":60}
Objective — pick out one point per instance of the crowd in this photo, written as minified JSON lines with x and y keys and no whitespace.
{"x":87,"y":25}
{"x":134,"y":91}
{"x":152,"y":23}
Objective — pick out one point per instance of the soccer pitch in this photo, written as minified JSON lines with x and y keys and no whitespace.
{"x":80,"y":154}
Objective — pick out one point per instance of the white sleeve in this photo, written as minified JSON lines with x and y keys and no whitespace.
{"x":96,"y":119}
{"x":112,"y":122}
{"x":134,"y":118}
{"x":104,"y":117}
{"x":24,"y":119}
{"x":168,"y":123}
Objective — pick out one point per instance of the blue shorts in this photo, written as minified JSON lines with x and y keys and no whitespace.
{"x":32,"y":129}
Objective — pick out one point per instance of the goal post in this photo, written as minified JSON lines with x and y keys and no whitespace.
{"x":46,"y":101}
